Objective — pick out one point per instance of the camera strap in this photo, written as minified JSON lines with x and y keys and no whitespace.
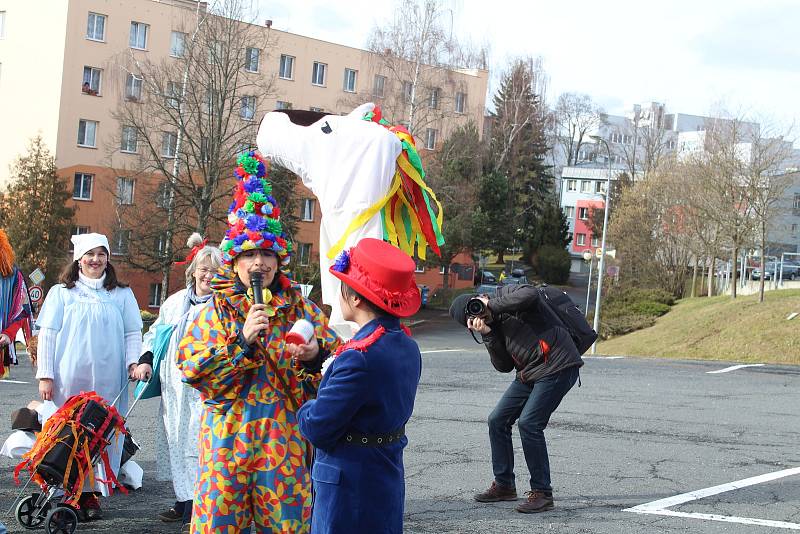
{"x":472,"y":333}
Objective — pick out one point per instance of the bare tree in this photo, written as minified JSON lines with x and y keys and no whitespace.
{"x":643,"y":141}
{"x":574,"y":117}
{"x":186,"y":119}
{"x":414,"y":57}
{"x":767,"y":180}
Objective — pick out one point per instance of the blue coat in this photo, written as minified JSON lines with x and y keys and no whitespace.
{"x":362,"y":489}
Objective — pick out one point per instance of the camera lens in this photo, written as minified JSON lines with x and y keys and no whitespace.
{"x":475,"y":307}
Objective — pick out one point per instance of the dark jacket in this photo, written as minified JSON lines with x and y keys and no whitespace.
{"x":521,"y":339}
{"x":369,"y":391}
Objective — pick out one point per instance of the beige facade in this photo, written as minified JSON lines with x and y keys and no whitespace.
{"x":44,"y":61}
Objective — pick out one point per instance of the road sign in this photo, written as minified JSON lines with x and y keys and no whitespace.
{"x":35,"y":293}
{"x":598,"y":252}
{"x":37,"y":277}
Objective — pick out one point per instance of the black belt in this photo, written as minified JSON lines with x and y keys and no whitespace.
{"x":374,"y":440}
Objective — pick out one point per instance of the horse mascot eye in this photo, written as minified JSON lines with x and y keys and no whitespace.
{"x":367,"y":177}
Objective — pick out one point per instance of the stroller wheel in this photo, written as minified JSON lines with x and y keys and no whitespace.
{"x":61,"y":520}
{"x":28,"y":514}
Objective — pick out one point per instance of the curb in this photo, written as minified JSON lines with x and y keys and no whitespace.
{"x":412,"y":324}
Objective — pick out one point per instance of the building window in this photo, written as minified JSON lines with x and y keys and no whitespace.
{"x":572,"y":185}
{"x":160,"y":244}
{"x":569,"y":212}
{"x":350,"y":77}
{"x":308,"y":209}
{"x":378,"y":86}
{"x":430,"y":138}
{"x":441,"y":269}
{"x":586,"y":186}
{"x":794,"y":228}
{"x":282,"y":104}
{"x":124,"y":191}
{"x":162,"y":195}
{"x":91,"y":81}
{"x":169,"y":144}
{"x":287,"y":67}
{"x":80,"y":230}
{"x":419,"y":267}
{"x":87,"y":133}
{"x":580,"y":239}
{"x":583,"y":214}
{"x":155,"y":295}
{"x":177,"y":44}
{"x":172,"y":95}
{"x":318,"y":73}
{"x":138,"y":37}
{"x":599,"y":187}
{"x":133,"y":88}
{"x":461,"y":100}
{"x":248,"y":108}
{"x":119,"y":241}
{"x":595,"y":241}
{"x":318,"y":110}
{"x":569,"y":237}
{"x":408,"y":92}
{"x":82,"y":189}
{"x":304,"y":253}
{"x":797,"y":201}
{"x":205,"y":149}
{"x":96,"y":27}
{"x":129,"y":141}
{"x":433,"y":98}
{"x":671,"y":145}
{"x":215,"y":52}
{"x":252,"y":55}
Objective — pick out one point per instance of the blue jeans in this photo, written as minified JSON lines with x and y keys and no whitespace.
{"x":532,"y":404}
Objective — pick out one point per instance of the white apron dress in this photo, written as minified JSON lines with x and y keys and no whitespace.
{"x":90,"y":347}
{"x":181,"y":409}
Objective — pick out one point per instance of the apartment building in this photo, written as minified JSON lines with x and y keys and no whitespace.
{"x":61,"y":77}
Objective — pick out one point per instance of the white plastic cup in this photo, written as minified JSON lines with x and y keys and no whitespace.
{"x":301,"y":333}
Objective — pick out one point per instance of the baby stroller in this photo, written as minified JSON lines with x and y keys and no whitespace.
{"x":72,"y":442}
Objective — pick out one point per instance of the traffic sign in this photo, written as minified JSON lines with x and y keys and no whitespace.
{"x":37,"y":276}
{"x":35,"y":293}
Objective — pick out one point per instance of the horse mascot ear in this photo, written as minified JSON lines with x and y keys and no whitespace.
{"x":367,"y":176}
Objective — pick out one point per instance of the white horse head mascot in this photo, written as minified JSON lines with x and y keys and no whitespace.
{"x":367,"y":176}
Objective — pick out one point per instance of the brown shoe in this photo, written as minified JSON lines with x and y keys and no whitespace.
{"x":537,"y":501}
{"x":497,"y":493}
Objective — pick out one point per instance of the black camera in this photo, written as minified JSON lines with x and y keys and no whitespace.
{"x":476,"y":307}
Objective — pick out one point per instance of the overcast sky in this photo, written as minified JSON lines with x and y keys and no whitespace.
{"x":690,"y":54}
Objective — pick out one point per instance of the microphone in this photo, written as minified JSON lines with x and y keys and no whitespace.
{"x":258,"y":291}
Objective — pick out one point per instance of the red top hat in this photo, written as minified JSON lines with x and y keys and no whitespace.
{"x":382,"y":274}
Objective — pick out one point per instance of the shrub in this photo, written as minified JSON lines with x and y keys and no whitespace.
{"x":553,"y":264}
{"x":630,"y":309}
{"x":147,"y":316}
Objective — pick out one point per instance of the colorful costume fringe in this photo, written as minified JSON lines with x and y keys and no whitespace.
{"x":85,"y":443}
{"x":406,"y":212}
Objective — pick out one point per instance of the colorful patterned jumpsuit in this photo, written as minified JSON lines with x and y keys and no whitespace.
{"x":252,"y":456}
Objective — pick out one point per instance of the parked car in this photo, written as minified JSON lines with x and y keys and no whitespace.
{"x":487,"y":289}
{"x":512,"y":281}
{"x":791,"y":271}
{"x":485,"y":277}
{"x":769,"y":272}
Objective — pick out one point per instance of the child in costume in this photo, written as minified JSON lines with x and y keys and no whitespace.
{"x":366,"y":396}
{"x":181,"y":408}
{"x":90,"y":339}
{"x":252,"y":456}
{"x":15,"y":306}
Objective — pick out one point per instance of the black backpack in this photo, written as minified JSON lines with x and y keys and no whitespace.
{"x":563,"y":312}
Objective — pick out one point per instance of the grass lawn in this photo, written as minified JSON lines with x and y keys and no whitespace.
{"x":720,"y":328}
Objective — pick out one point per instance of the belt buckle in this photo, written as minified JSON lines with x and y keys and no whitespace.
{"x":364,"y":440}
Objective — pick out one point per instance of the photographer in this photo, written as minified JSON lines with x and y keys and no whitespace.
{"x":519,"y":337}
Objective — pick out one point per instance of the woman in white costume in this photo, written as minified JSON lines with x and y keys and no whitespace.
{"x":90,"y":339}
{"x":177,"y":442}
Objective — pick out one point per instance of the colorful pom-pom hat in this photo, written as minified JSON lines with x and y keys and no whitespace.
{"x":381,"y":273}
{"x":254,"y":216}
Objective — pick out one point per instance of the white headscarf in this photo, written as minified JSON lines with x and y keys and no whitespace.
{"x":85,"y":242}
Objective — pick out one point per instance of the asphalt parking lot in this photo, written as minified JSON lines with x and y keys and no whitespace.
{"x":642,"y":446}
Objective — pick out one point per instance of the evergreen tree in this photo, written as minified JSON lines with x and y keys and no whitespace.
{"x":518,"y":147}
{"x":551,"y":228}
{"x":35,"y":214}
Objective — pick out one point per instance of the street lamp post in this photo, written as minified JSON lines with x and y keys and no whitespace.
{"x":601,"y":264}
{"x":588,"y":257}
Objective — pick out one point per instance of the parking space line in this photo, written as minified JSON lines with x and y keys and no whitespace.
{"x":734,"y":368}
{"x":602,"y":357}
{"x":13,"y":382}
{"x":443,"y":350}
{"x":660,"y":506}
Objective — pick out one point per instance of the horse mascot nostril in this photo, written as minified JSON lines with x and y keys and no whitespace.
{"x":368,"y":178}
